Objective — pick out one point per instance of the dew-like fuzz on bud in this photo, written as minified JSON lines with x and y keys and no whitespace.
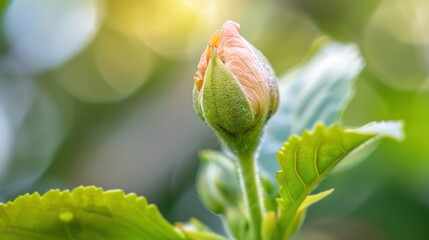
{"x":235,"y":86}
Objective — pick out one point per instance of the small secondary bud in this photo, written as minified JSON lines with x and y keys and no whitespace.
{"x":217,"y":183}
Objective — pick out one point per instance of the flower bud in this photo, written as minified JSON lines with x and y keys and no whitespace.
{"x":235,"y":89}
{"x":217,"y":183}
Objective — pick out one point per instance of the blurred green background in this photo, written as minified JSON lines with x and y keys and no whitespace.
{"x":98,"y":92}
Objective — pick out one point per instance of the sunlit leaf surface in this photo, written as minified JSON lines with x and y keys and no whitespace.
{"x":84,"y":213}
{"x":305,"y":160}
{"x":316,"y":91}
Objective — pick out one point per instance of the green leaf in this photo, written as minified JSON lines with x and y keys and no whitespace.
{"x":86,"y":213}
{"x":316,"y":91}
{"x":195,"y":230}
{"x":298,"y":219}
{"x":269,"y":226}
{"x":3,"y":5}
{"x":312,"y":199}
{"x":305,"y":160}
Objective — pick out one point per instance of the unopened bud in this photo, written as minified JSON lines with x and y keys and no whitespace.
{"x":217,"y":182}
{"x":235,"y":89}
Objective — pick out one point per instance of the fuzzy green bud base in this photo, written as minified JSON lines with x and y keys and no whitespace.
{"x":222,"y":104}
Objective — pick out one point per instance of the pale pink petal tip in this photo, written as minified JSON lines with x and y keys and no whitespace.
{"x":231,"y":25}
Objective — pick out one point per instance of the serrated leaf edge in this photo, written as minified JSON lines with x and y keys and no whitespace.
{"x":374,"y":136}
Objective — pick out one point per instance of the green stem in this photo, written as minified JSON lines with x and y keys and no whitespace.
{"x":251,"y":188}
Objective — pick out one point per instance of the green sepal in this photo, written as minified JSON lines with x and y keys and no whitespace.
{"x":195,"y":101}
{"x":225,"y":106}
{"x":227,"y":110}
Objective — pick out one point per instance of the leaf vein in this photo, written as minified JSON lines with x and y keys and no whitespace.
{"x":295,"y":163}
{"x":288,"y":192}
{"x":316,"y":153}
